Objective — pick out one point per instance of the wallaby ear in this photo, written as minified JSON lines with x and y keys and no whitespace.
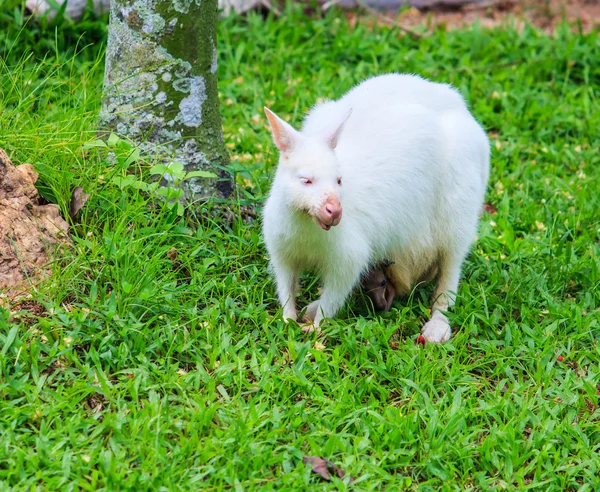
{"x":284,"y":134}
{"x":332,"y":139}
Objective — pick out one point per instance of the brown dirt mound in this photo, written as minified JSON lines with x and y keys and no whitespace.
{"x":455,"y":14}
{"x":544,"y":14}
{"x":29,"y":231}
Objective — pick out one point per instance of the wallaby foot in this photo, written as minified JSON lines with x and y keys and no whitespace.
{"x":308,"y":320}
{"x":289,"y":313}
{"x":310,"y":328}
{"x":437,"y":329}
{"x":310,"y":312}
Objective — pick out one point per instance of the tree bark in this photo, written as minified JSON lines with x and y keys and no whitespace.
{"x":160,"y":86}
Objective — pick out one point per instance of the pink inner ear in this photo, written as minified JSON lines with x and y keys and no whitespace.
{"x":281,"y":134}
{"x":333,"y":138}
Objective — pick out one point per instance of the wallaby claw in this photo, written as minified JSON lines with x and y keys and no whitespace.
{"x":310,"y":328}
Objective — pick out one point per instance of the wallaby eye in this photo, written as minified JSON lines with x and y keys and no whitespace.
{"x":340,"y":181}
{"x":383,"y":283}
{"x":306,"y":181}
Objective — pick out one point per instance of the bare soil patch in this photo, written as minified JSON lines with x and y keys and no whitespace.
{"x":545,"y":15}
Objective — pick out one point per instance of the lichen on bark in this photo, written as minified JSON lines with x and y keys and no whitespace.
{"x":160,"y":85}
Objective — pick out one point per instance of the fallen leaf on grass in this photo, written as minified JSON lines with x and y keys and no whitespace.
{"x":324,"y":468}
{"x":78,"y":199}
{"x":172,"y":254}
{"x":490,"y":209}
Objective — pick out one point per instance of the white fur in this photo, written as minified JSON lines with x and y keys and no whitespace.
{"x":414,"y":165}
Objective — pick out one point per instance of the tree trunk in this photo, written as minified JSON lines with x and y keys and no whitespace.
{"x":160,"y":86}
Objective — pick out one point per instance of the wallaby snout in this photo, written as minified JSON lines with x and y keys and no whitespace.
{"x":330,"y":213}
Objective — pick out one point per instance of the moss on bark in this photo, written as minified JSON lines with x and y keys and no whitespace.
{"x":160,"y":85}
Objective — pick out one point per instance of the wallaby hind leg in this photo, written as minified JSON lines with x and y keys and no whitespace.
{"x":437,"y":329}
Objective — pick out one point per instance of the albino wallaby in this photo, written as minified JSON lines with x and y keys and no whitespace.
{"x":406,"y":164}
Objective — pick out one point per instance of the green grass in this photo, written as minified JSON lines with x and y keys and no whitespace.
{"x":158,"y":357}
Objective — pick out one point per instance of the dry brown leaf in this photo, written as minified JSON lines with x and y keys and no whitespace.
{"x":172,"y":254}
{"x":78,"y":199}
{"x":490,"y":209}
{"x":324,"y":468}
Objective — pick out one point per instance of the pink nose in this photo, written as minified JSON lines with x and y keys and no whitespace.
{"x":332,"y":211}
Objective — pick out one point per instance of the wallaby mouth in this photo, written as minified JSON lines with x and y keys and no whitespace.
{"x":329,"y":224}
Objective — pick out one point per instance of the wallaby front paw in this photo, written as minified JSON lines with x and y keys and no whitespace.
{"x":310,"y":328}
{"x":289,"y":315}
{"x":437,"y":329}
{"x":311,"y":311}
